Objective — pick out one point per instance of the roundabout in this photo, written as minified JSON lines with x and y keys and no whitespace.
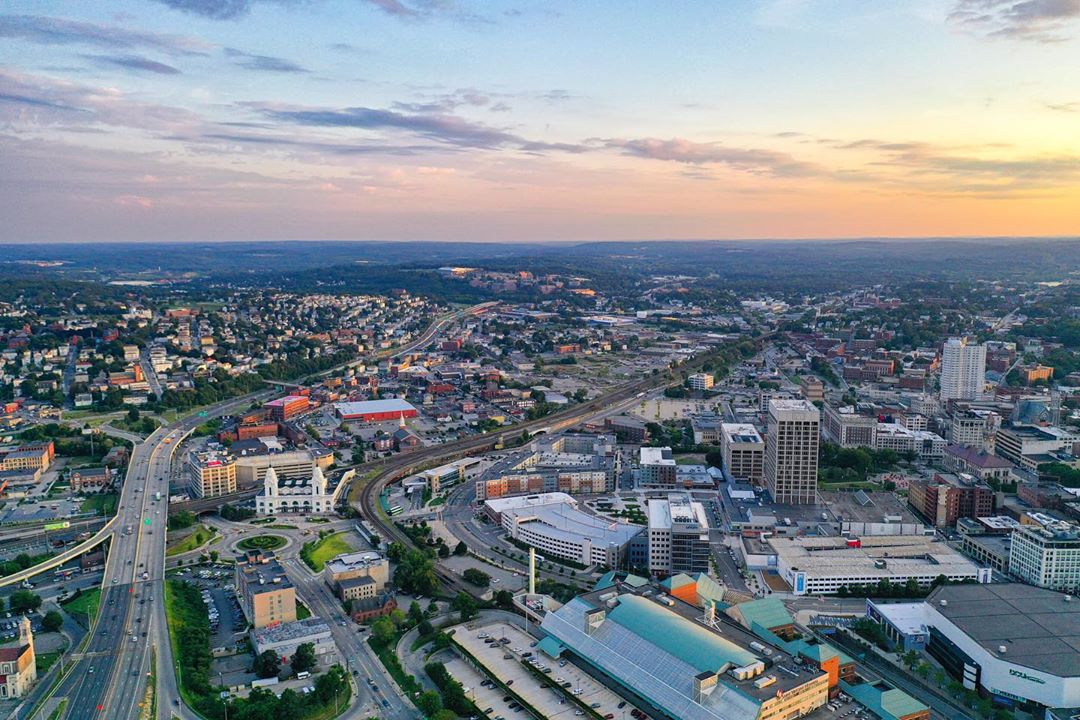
{"x":263,"y":542}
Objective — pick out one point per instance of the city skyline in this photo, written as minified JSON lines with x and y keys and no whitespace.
{"x":394,"y":120}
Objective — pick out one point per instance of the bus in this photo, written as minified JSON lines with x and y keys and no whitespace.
{"x":303,"y":675}
{"x":65,"y":573}
{"x":395,"y":510}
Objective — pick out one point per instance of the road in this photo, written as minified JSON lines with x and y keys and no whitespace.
{"x":149,"y":373}
{"x":109,"y":678}
{"x":352,"y":644}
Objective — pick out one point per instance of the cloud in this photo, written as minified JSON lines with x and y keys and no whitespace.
{"x":464,"y":97}
{"x":752,"y":160}
{"x":33,"y":99}
{"x":1034,"y":20}
{"x":58,"y":31}
{"x":263,"y":63}
{"x":235,"y":9}
{"x":441,"y":128}
{"x":212,"y":9}
{"x":134,"y":62}
{"x":1069,"y":107}
{"x":134,"y":201}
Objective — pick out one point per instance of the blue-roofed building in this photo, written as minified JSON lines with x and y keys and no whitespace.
{"x":677,"y":661}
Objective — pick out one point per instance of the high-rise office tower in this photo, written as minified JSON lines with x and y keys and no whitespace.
{"x":963,"y":369}
{"x":791,"y":451}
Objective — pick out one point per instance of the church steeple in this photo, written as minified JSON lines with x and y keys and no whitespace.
{"x":318,"y":481}
{"x":401,"y":423}
{"x":26,"y":633}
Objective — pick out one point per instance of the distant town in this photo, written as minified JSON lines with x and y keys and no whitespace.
{"x":546,"y":495}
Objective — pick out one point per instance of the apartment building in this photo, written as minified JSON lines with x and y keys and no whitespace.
{"x":963,"y":369}
{"x":949,"y":497}
{"x":657,"y":467}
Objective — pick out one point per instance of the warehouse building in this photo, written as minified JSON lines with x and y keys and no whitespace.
{"x":375,"y":410}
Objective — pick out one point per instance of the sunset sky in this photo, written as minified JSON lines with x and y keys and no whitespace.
{"x":515,"y":121}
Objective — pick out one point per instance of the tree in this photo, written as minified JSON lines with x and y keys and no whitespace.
{"x":304,"y":658}
{"x":416,"y":613}
{"x":461,"y":548}
{"x":133,"y":415}
{"x":476,"y":577}
{"x":52,"y":621}
{"x":213,"y":556}
{"x":444,"y":551}
{"x":429,"y":703}
{"x":289,"y":705}
{"x":424,"y":627}
{"x":23,"y":601}
{"x":444,"y":714}
{"x":465,"y":605}
{"x":382,"y":630}
{"x":331,"y":685}
{"x":267,"y":664}
{"x":504,"y":599}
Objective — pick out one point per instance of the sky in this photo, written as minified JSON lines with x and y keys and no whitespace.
{"x":523,"y":120}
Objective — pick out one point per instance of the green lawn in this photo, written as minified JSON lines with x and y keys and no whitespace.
{"x":84,"y":608}
{"x":302,"y":612}
{"x":103,"y":504}
{"x":195,"y":540}
{"x":44,"y":661}
{"x":318,"y":552}
{"x":281,"y":526}
{"x":262,"y":542}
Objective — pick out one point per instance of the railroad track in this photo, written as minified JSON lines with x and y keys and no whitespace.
{"x":403,"y":465}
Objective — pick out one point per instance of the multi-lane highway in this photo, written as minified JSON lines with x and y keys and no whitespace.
{"x":108,"y":680}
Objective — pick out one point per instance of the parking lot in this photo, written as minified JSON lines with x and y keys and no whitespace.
{"x":548,"y":697}
{"x":479,"y":690}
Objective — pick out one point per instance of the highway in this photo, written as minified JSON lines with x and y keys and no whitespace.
{"x":108,"y":680}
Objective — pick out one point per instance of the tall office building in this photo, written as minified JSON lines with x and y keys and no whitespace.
{"x":963,"y":369}
{"x":791,"y":451}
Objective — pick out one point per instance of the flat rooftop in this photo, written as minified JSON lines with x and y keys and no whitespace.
{"x":285,"y":632}
{"x":1039,"y":628}
{"x":904,"y":555}
{"x":363,"y":407}
{"x":568,"y":523}
{"x":352,"y":561}
{"x":520,"y":502}
{"x":909,"y":618}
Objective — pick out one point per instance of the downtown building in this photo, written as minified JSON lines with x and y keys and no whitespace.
{"x":678,"y":536}
{"x":743,"y":452}
{"x":791,"y":451}
{"x":1046,"y":556}
{"x":963,"y":369}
